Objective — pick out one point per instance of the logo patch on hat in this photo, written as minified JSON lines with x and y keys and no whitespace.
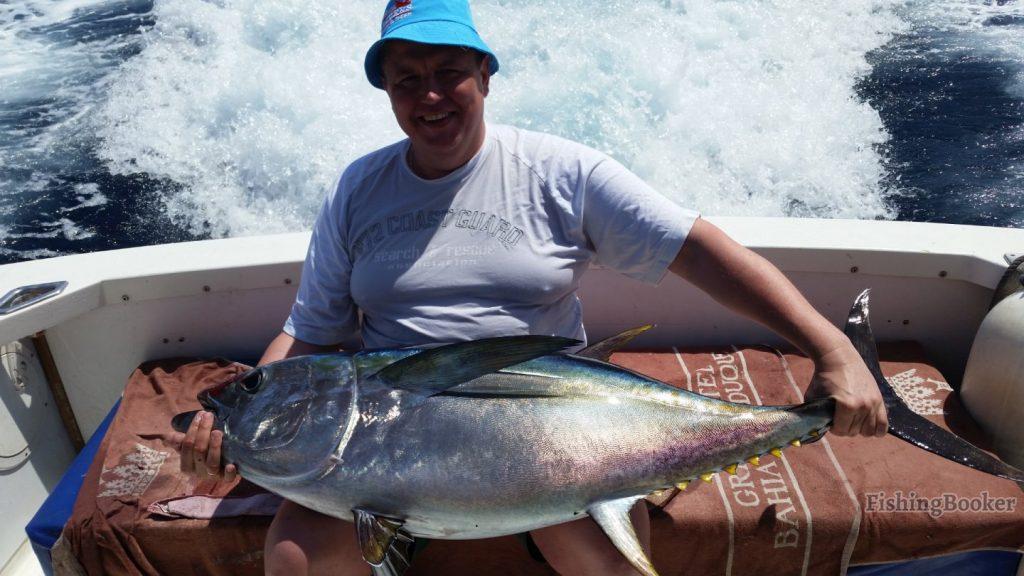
{"x":399,"y":9}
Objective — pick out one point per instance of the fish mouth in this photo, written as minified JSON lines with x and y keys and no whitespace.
{"x":181,"y":422}
{"x":208,"y":401}
{"x":208,"y":396}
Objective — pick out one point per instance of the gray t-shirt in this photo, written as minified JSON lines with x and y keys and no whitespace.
{"x":497,"y":247}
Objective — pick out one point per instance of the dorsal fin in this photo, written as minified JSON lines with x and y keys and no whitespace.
{"x":438,"y":369}
{"x":603,"y":350}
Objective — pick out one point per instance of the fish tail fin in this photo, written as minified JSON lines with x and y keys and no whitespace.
{"x":906,"y":424}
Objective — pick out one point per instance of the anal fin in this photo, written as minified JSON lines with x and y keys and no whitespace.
{"x":385,"y":547}
{"x":613,"y":517}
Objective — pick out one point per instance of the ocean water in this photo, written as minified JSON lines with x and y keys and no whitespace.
{"x":145,"y":121}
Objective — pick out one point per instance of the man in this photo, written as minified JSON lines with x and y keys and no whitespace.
{"x":467,"y":230}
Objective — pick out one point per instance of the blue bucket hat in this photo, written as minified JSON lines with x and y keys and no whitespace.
{"x":441,"y":22}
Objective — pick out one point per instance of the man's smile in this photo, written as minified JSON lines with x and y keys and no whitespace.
{"x":436,"y":118}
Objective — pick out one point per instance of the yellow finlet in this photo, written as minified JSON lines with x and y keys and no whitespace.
{"x":731,"y":469}
{"x":777,"y":452}
{"x":683,"y":485}
{"x":795,"y":442}
{"x":815,"y":433}
{"x":707,"y":477}
{"x":754,"y":460}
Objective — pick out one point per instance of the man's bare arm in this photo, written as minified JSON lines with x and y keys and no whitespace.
{"x":747,"y":283}
{"x":287,"y":346}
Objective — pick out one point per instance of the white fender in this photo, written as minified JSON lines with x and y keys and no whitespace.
{"x":993,"y":384}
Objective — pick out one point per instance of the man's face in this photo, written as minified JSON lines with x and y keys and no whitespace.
{"x":437,"y":94}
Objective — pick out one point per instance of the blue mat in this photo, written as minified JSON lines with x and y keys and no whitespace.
{"x":980,"y":563}
{"x":46,"y":526}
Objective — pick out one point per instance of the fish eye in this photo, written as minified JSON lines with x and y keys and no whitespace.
{"x":252,"y":382}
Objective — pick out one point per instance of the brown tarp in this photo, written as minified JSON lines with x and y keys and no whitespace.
{"x":816,"y":510}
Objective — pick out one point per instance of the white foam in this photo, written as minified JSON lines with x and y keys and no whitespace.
{"x":67,"y":229}
{"x":252,"y":107}
{"x":740,"y":108}
{"x":53,"y":78}
{"x":89,"y":196}
{"x":29,"y":254}
{"x":990,"y":30}
{"x":61,"y":228}
{"x":33,"y":66}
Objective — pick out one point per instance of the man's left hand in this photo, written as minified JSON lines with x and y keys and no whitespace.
{"x":842,"y":374}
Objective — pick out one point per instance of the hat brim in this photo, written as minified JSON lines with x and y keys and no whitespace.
{"x":434,"y":32}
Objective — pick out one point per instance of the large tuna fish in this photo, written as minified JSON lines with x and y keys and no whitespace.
{"x":503,"y":435}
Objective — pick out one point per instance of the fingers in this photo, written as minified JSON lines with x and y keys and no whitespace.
{"x":842,"y":423}
{"x":188,"y":446}
{"x":177,"y":439}
{"x":230,"y":472}
{"x":213,"y":454}
{"x":202,"y":449}
{"x":860,"y":418}
{"x":860,"y":414}
{"x":881,"y":421}
{"x":870,"y":422}
{"x":202,"y":444}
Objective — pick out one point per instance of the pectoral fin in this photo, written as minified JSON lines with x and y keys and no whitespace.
{"x":613,"y":517}
{"x":603,"y":350}
{"x":384,"y":546}
{"x":438,"y":369}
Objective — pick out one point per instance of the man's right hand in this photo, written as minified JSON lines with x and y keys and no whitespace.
{"x":200,"y":449}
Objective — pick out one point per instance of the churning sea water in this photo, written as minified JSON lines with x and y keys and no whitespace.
{"x":138,"y":122}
